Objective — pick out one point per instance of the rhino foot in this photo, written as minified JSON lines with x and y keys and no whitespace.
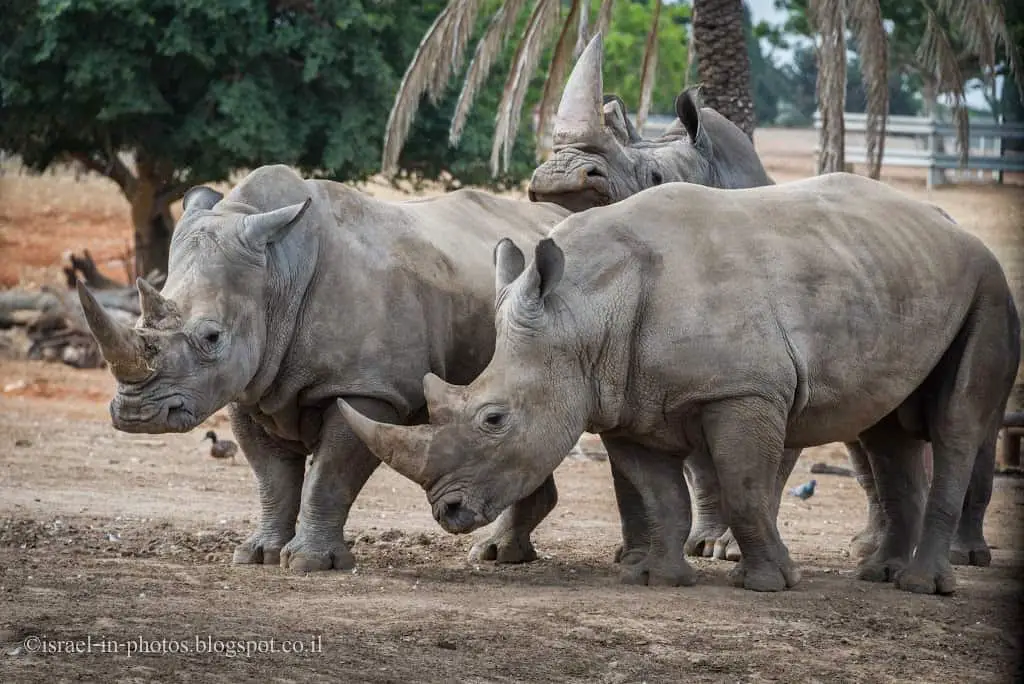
{"x":703,"y":537}
{"x":970,"y":553}
{"x":727,"y":548}
{"x":866,"y":542}
{"x":259,"y":549}
{"x":921,"y":579}
{"x":503,"y":549}
{"x":305,"y":555}
{"x":637,"y":570}
{"x":876,"y":568}
{"x":765,"y":575}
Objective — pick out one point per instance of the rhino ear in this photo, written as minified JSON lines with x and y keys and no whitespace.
{"x":200,"y":197}
{"x":688,"y":111}
{"x":509,"y":262}
{"x":547,"y":268}
{"x":259,"y":230}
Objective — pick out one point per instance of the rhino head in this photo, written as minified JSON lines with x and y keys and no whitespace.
{"x":198,"y":344}
{"x":598,"y":158}
{"x":491,"y":443}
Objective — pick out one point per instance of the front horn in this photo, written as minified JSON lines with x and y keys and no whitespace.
{"x":580,"y":112}
{"x":403,"y":447}
{"x":121,"y":346}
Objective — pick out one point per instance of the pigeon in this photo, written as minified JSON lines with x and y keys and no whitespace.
{"x":221,"y":448}
{"x":804,"y":491}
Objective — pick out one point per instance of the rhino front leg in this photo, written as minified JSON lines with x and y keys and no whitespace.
{"x":726,"y":547}
{"x":656,"y":479}
{"x":710,"y":525}
{"x":969,"y":546}
{"x":510,"y":542}
{"x":636,"y":533}
{"x":279,"y":472}
{"x":867,"y":541}
{"x":745,"y":437}
{"x":341,"y":466}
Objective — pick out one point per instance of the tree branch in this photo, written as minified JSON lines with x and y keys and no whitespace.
{"x":111,"y":166}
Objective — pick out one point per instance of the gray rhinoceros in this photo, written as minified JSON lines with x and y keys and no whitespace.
{"x":289,"y":293}
{"x":852,"y":313}
{"x":598,"y":159}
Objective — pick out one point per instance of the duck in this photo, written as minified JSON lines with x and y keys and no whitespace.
{"x":221,"y":448}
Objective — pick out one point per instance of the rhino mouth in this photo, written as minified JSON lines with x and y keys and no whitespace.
{"x":171,"y":414}
{"x":575,"y":201}
{"x":456,"y":515}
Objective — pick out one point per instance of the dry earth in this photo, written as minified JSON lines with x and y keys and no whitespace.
{"x":126,"y":540}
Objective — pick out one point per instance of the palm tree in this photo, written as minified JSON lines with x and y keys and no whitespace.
{"x":440,"y":54}
{"x":953,"y":29}
{"x":723,"y":65}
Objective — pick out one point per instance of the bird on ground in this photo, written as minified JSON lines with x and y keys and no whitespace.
{"x":221,"y":448}
{"x":804,"y":491}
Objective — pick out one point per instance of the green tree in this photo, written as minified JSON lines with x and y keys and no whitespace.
{"x":160,"y":95}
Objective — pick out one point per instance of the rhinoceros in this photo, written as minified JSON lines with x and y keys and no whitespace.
{"x":598,"y":159}
{"x":832,"y":309}
{"x":289,"y":293}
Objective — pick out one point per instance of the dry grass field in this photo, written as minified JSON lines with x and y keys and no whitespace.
{"x":125,"y":540}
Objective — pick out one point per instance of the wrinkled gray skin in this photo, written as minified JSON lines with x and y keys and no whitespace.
{"x":597,"y":159}
{"x":853,"y":313}
{"x":288,"y":294}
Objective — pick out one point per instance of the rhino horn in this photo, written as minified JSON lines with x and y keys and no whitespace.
{"x":402,"y":447}
{"x":580,"y":112}
{"x":155,"y":307}
{"x":121,"y":346}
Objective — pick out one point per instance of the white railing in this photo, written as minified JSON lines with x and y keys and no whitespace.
{"x":931,"y":144}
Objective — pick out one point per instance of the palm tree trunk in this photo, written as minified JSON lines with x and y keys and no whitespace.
{"x":723,"y":65}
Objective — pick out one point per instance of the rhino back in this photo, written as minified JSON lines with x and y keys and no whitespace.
{"x":404,"y":288}
{"x":815,"y":289}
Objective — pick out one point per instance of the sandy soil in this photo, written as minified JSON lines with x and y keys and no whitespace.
{"x":118,"y":538}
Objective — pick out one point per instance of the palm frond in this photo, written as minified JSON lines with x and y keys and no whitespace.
{"x":543,"y":18}
{"x":487,"y":50}
{"x":830,"y":21}
{"x":439,"y":55}
{"x":866,"y":17}
{"x":582,"y":30}
{"x":1013,"y":56}
{"x":604,"y":17}
{"x":555,"y":81}
{"x":647,"y":71}
{"x":937,"y":54}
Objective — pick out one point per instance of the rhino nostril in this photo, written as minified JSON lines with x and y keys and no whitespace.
{"x":594,"y":172}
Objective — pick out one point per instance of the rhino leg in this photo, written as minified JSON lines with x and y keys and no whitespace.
{"x":636,"y":533}
{"x":279,"y":473}
{"x":726,"y":547}
{"x":710,"y":525}
{"x":341,"y":466}
{"x":656,"y":479}
{"x":745,"y":437}
{"x":969,"y":546}
{"x":510,"y":542}
{"x":866,"y":542}
{"x":899,"y":481}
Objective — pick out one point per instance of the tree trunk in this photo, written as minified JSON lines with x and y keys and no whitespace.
{"x":829,"y":18}
{"x":723,"y":65}
{"x":151,"y":217}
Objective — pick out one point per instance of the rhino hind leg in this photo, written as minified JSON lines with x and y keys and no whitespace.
{"x":899,"y":483}
{"x":279,"y":474}
{"x":510,"y":542}
{"x":656,"y":479}
{"x":966,"y":395}
{"x":969,"y":546}
{"x":745,"y":437}
{"x":341,"y":466}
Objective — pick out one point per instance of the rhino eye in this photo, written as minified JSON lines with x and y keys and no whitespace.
{"x":495,"y":419}
{"x":656,"y":178}
{"x":212,"y":338}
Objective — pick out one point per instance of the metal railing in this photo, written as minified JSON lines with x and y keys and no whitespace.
{"x":929,"y":143}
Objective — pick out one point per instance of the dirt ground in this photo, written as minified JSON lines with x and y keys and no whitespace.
{"x":117,"y":546}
